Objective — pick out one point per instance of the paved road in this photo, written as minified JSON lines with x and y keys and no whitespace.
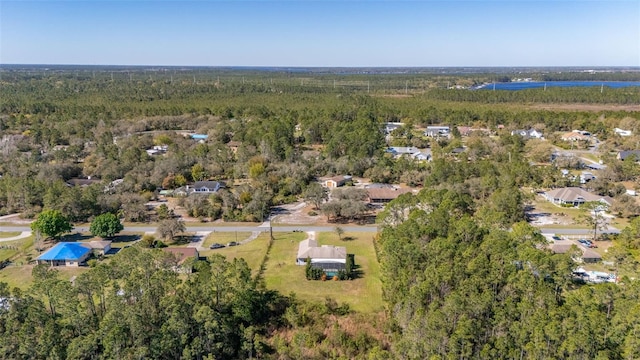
{"x":566,"y":231}
{"x":290,"y":228}
{"x":151,"y":229}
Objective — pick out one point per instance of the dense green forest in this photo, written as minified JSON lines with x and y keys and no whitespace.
{"x":138,"y":307}
{"x":465,"y":277}
{"x":464,"y":289}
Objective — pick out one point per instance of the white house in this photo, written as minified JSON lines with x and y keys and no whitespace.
{"x":204,"y":187}
{"x":528,"y":134}
{"x":622,"y":132}
{"x":390,"y":126}
{"x":437,"y":131}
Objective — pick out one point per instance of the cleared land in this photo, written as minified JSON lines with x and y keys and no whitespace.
{"x":225,"y":237}
{"x":362,"y":294}
{"x":252,"y":252}
{"x":20,"y":276}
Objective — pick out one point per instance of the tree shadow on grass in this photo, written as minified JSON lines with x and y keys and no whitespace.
{"x":356,"y":272}
{"x":185,"y":239}
{"x":75,"y":237}
{"x":125,"y":238}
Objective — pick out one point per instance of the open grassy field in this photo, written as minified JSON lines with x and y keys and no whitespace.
{"x":362,"y":294}
{"x":20,"y":276}
{"x":225,"y":237}
{"x":18,"y":250}
{"x":252,"y":252}
{"x":8,"y":234}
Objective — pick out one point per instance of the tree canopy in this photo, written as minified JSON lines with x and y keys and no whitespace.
{"x":105,"y":225}
{"x":51,"y":223}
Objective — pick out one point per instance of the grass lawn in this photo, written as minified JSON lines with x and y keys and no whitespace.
{"x":363,"y":294}
{"x":225,"y":237}
{"x":545,"y":206}
{"x":18,"y":250}
{"x":8,"y":234}
{"x":20,"y":276}
{"x":252,"y":252}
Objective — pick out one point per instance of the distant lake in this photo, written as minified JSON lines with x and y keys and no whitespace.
{"x":522,"y":85}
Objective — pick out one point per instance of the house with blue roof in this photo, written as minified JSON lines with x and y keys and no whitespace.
{"x":66,"y":254}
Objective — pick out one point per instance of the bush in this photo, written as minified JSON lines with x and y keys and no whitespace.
{"x":342,"y":275}
{"x":312,"y":213}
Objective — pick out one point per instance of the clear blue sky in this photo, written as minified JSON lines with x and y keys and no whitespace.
{"x":321,"y":33}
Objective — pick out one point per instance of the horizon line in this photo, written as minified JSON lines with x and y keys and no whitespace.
{"x":339,"y":66}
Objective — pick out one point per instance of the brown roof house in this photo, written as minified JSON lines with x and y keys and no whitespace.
{"x":336,"y":181}
{"x":574,"y":196}
{"x":588,"y":255}
{"x":576,"y":136}
{"x":383,"y":195}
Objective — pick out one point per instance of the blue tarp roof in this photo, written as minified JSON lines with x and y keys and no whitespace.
{"x":199,"y":136}
{"x":65,"y":251}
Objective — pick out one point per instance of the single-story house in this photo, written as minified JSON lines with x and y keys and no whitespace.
{"x":574,"y":196}
{"x":336,"y":181}
{"x":594,"y":166}
{"x":205,"y":187}
{"x":99,"y":247}
{"x":467,"y":130}
{"x":622,"y":132}
{"x":437,"y":131}
{"x":528,"y":134}
{"x":588,"y":255}
{"x":586,"y":176}
{"x":576,"y":136}
{"x":66,"y":254}
{"x":326,"y":257}
{"x":402,"y":150}
{"x":421,"y":156}
{"x":181,"y":255}
{"x":623,"y":155}
{"x":390,"y":126}
{"x":157,"y":150}
{"x":384,"y":195}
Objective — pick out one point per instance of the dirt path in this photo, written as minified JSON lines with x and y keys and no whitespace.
{"x":24,"y":234}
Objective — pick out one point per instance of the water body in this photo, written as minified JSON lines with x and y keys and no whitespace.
{"x":541,"y":84}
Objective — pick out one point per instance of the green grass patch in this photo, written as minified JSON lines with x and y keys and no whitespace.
{"x":18,"y":250}
{"x":252,"y":252}
{"x":8,"y":234}
{"x":225,"y":237}
{"x":363,"y":294}
{"x":20,"y":276}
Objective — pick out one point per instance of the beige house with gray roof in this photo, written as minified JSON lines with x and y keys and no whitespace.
{"x":574,"y":196}
{"x":326,"y":257}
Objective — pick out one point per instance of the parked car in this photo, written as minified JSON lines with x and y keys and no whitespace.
{"x":556,"y":238}
{"x":233,"y":243}
{"x":216,"y":246}
{"x":586,"y":243}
